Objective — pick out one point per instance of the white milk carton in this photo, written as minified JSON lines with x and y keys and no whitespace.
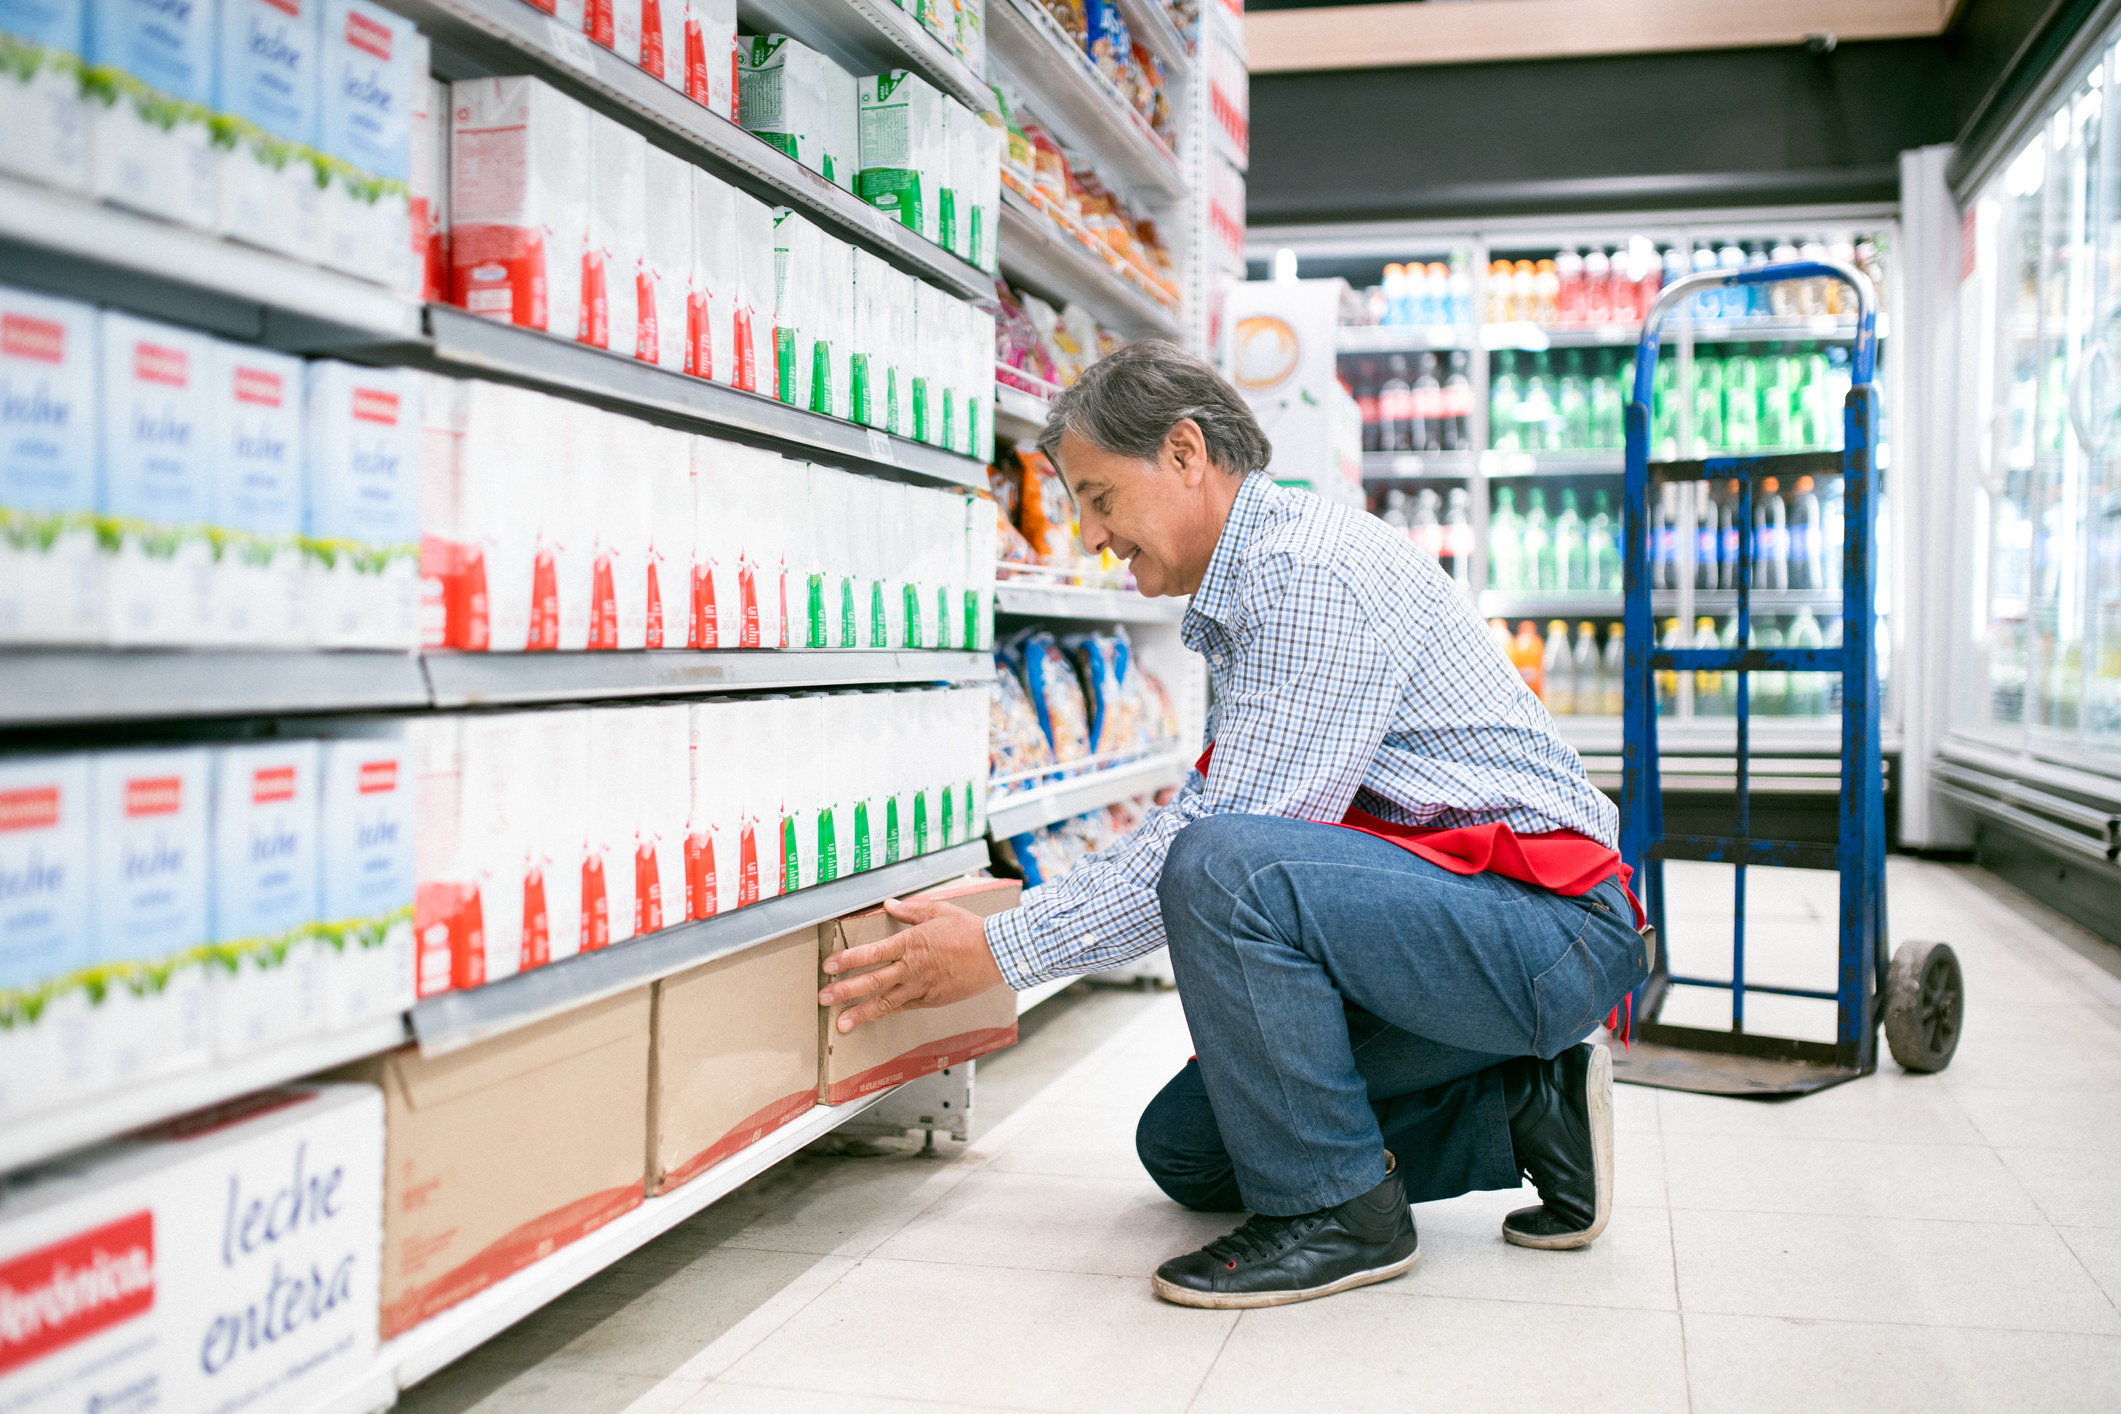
{"x":661,"y":53}
{"x":267,"y":85}
{"x":665,"y":806}
{"x":867,"y":356}
{"x":792,"y":96}
{"x":795,"y":725}
{"x":713,"y":616}
{"x":158,"y":406}
{"x":41,"y":107}
{"x":427,"y":191}
{"x":758,"y":497}
{"x":47,"y":933}
{"x":618,"y":172}
{"x":50,"y":572}
{"x":363,"y":506}
{"x":150,"y":146}
{"x":260,"y":579}
{"x":364,"y":955}
{"x":982,"y":550}
{"x":988,"y":140}
{"x":443,"y":612}
{"x":615,"y":24}
{"x":962,"y":150}
{"x":670,"y":540}
{"x":711,"y":56}
{"x":805,"y":626}
{"x":761,"y":785}
{"x":226,"y":1260}
{"x":584,"y":444}
{"x":148,"y":826}
{"x":373,"y":61}
{"x":624,"y":494}
{"x":666,"y":261}
{"x":798,"y":264}
{"x":518,"y":202}
{"x":901,"y":147}
{"x":617,"y":765}
{"x":713,"y":824}
{"x":831,"y":375}
{"x":710,"y":306}
{"x":501,"y":777}
{"x":448,"y":928}
{"x":845,"y":744}
{"x":904,"y":341}
{"x":978,"y":380}
{"x":510,"y":583}
{"x":758,"y":261}
{"x":575,"y":904}
{"x":264,"y":896}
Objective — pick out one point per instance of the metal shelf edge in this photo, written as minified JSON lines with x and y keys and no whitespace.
{"x":454,"y":1020}
{"x":1024,"y":39}
{"x":1037,"y":252}
{"x":47,"y":687}
{"x":492,"y":679}
{"x":1012,"y":815}
{"x":1099,"y":605}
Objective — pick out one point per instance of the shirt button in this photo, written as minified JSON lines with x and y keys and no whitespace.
{"x":1216,"y":659}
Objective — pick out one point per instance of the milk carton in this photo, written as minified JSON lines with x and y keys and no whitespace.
{"x":756,"y":497}
{"x":901,"y":147}
{"x":149,"y":833}
{"x":519,"y":202}
{"x":711,"y":56}
{"x":846,"y":748}
{"x":560,"y":831}
{"x":800,"y":573}
{"x":659,"y":898}
{"x":794,"y":733}
{"x":710,"y":306}
{"x":619,"y":595}
{"x":617,"y":766}
{"x":157,"y":402}
{"x":978,"y":381}
{"x":988,"y":140}
{"x":865,"y":556}
{"x":362,"y":538}
{"x":264,"y":896}
{"x":667,"y":258}
{"x":500,"y":774}
{"x":41,"y":108}
{"x":443,"y":613}
{"x":799,"y":101}
{"x":427,"y":191}
{"x":661,"y":51}
{"x":615,"y":24}
{"x":831,"y":378}
{"x":47,"y":933}
{"x":798,"y":266}
{"x":714,"y":838}
{"x":227,"y":1260}
{"x":982,"y":550}
{"x":618,"y":167}
{"x":903,"y":337}
{"x":865,"y":344}
{"x":758,"y":261}
{"x":259,"y":578}
{"x":373,"y":61}
{"x":963,"y":147}
{"x":267,"y":85}
{"x":365,"y":955}
{"x":670,"y":539}
{"x":819,"y":585}
{"x":715,"y":616}
{"x":510,"y":588}
{"x":152,"y":66}
{"x":50,"y":572}
{"x":449,"y":934}
{"x":584,"y":448}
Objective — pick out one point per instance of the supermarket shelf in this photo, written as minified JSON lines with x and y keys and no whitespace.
{"x":436,"y":1342}
{"x":513,"y":37}
{"x":1535,"y":337}
{"x":1395,"y":466}
{"x":1040,"y":254}
{"x":27,"y":1141}
{"x":868,"y":37}
{"x":1018,"y":415}
{"x":1151,"y":27}
{"x":497,"y":679}
{"x":1496,"y":604}
{"x":454,"y":1020}
{"x":1500,"y":604}
{"x":1013,"y":814}
{"x":1061,"y":601}
{"x":1712,"y":736}
{"x":1032,"y":996}
{"x":1814,"y":326}
{"x":57,"y":686}
{"x":1403,"y":338}
{"x":1587,"y":463}
{"x":467,"y":344}
{"x":1062,"y":85}
{"x":68,"y":245}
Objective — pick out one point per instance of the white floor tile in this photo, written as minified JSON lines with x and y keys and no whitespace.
{"x":1086,"y":1141}
{"x":1850,"y":1177}
{"x":722,"y":1397}
{"x":2039,"y":1116}
{"x":1048,"y":1222}
{"x":1891,"y":1105}
{"x":2074,"y":1187}
{"x":1463,"y":1254}
{"x":2099,"y":1249}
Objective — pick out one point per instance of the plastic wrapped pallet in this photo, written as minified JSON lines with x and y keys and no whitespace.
{"x":519,"y":202}
{"x":42,"y":108}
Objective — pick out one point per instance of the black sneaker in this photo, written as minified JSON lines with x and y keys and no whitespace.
{"x":1275,"y":1261}
{"x":1561,"y":1130}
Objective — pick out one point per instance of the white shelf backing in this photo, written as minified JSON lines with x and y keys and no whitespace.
{"x":71,"y":246}
{"x":434,"y":1343}
{"x":1061,"y":601}
{"x":466,"y":344}
{"x":1057,"y":79}
{"x":1038,"y":253}
{"x":52,"y":687}
{"x":1018,"y":415}
{"x":1029,"y":810}
{"x":40,"y":1137}
{"x":454,"y":1020}
{"x":513,"y":37}
{"x":496,"y":679}
{"x":1032,"y":996}
{"x":868,"y":37}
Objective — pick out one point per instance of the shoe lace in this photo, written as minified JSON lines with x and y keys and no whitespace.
{"x":1260,"y":1237}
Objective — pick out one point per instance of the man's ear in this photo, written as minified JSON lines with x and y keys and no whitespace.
{"x":1187,"y":452}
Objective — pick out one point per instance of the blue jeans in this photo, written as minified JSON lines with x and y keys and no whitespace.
{"x":1347,"y":996}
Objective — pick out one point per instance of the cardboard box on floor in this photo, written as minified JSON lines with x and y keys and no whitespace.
{"x":910,"y":1044}
{"x":734,"y":1056}
{"x":497,"y":1154}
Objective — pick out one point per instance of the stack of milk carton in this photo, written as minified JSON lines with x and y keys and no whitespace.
{"x":283,"y":123}
{"x":160,"y":487}
{"x":691,"y":45}
{"x":548,"y":833}
{"x":932,"y":163}
{"x":173,"y":907}
{"x":551,"y":524}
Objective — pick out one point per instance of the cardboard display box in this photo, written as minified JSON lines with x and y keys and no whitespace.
{"x":504,"y":1151}
{"x":735,"y":1056}
{"x":910,"y":1044}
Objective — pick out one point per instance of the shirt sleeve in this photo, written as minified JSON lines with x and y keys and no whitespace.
{"x":1301,"y":712}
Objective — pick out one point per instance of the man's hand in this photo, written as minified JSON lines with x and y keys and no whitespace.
{"x":944,"y":958}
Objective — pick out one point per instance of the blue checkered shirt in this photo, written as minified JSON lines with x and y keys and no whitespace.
{"x":1348,"y":671}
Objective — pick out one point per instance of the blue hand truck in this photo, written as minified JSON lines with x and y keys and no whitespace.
{"x":1919,"y":995}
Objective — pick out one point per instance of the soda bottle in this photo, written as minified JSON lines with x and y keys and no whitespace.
{"x":1771,"y":537}
{"x":1782,"y":295}
{"x":1675,"y":637}
{"x":1457,"y":406}
{"x":1496,"y":294}
{"x":1614,"y":674}
{"x":1840,"y":299}
{"x":1597,"y":287}
{"x":1833,"y":535}
{"x":1458,"y":536}
{"x":1424,"y":403}
{"x":1708,"y":683}
{"x":1807,"y":544}
{"x":1705,"y":537}
{"x":1366,"y":404}
{"x":1557,"y":671}
{"x":1756,"y":296}
{"x":1727,"y":532}
{"x":1435,"y":294}
{"x":1546,"y":293}
{"x":1505,"y":432}
{"x":1607,"y":424}
{"x":1535,"y":410}
{"x":1807,"y":696}
{"x":1571,"y":551}
{"x":1524,"y":292}
{"x":1396,"y":309}
{"x":1729,"y":639}
{"x":1603,"y":546}
{"x":1422,"y":527}
{"x":1815,"y":398}
{"x":1395,"y":407}
{"x":1674,"y":266}
{"x":1583,"y":663}
{"x":1741,"y":403}
{"x":1771,"y":690}
{"x":1706,"y":303}
{"x":1505,"y":544}
{"x":1730,"y":259}
{"x":1649,"y":275}
{"x":1664,"y":516}
{"x":1461,"y":290}
{"x":1538,"y":545}
{"x":1528,"y":655}
{"x":1836,"y":395}
{"x":1574,"y":407}
{"x":1811,"y":294}
{"x":1569,"y":301}
{"x":1776,"y":378}
{"x":1664,"y":409}
{"x":1708,"y":406}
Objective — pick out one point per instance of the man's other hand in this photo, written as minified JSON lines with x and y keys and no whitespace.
{"x":943,"y":958}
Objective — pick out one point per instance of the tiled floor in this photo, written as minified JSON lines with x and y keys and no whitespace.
{"x":1901,"y":1242}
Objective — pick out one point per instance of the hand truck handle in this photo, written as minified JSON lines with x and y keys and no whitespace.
{"x":1861,"y":362}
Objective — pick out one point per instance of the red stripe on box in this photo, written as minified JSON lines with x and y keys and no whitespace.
{"x":748,"y":1131}
{"x":924,"y":1059}
{"x":66,"y":1292}
{"x":537,"y":1238}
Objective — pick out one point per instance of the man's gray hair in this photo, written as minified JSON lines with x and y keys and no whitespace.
{"x":1127,"y":403}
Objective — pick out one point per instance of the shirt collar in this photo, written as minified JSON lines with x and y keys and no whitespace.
{"x":1217,"y":594}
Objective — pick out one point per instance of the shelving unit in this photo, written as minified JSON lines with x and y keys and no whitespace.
{"x":1399,"y":466}
{"x":1049,"y":804}
{"x":868,"y":36}
{"x":1031,"y":49}
{"x":1038,"y":253}
{"x":1061,"y":601}
{"x":1018,"y":416}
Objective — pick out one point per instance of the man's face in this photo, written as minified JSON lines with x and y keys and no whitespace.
{"x":1163,"y":518}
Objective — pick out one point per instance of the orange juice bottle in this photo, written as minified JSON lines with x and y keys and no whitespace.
{"x":1527,"y":654}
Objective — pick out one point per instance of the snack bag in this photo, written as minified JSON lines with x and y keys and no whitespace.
{"x":1057,"y":695}
{"x":1017,"y":745}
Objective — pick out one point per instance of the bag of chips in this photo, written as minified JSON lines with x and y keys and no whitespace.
{"x":1016,"y":744}
{"x":1055,"y":692}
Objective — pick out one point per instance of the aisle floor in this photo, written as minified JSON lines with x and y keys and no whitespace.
{"x":1901,"y":1242}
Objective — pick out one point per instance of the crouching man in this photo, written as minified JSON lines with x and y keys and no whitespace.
{"x":1389,"y":889}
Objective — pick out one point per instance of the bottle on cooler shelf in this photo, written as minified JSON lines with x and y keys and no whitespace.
{"x":1422,"y":526}
{"x":1495,"y":308}
{"x":1808,"y":690}
{"x":1727,"y":512}
{"x":1570,"y":306}
{"x":1664,"y":515}
{"x":1597,"y":286}
{"x":1812,"y":293}
{"x":1395,"y":407}
{"x":1602,"y":544}
{"x":1771,"y":690}
{"x":1504,"y":433}
{"x":1557,"y":670}
{"x":1706,"y":303}
{"x":1395,"y":512}
{"x":1366,"y":404}
{"x":1535,"y":408}
{"x":1729,"y":639}
{"x":1546,"y":292}
{"x":1538,"y":545}
{"x":1457,"y":406}
{"x":1782,"y":295}
{"x":1708,"y":405}
{"x":1741,"y":404}
{"x":1528,"y":655}
{"x":1583,"y":663}
{"x":1608,"y":395}
{"x":1675,"y":637}
{"x":1426,"y":423}
{"x":1664,"y":409}
{"x":1832,"y":535}
{"x":1771,"y":538}
{"x":1524,"y":292}
{"x":1505,"y":543}
{"x":1613,"y":676}
{"x":1461,"y":288}
{"x":1705,"y":535}
{"x":1571,"y":548}
{"x":1708,"y":683}
{"x":1756,"y":296}
{"x":1807,"y":555}
{"x":1395,"y":286}
{"x":1730,"y":259}
{"x":1572,"y":404}
{"x":1457,"y":557}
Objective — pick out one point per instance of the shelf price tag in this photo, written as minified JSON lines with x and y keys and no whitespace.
{"x":880,"y":448}
{"x":570,"y":46}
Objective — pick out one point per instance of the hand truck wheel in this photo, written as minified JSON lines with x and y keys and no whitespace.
{"x":1925,"y":1004}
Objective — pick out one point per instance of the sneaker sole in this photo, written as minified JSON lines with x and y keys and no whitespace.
{"x":1234,"y":1300}
{"x":1598,"y":1098}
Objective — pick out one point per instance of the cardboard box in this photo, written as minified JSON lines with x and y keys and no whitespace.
{"x":226,"y":1260}
{"x":50,"y":573}
{"x":734,"y":1056}
{"x":501,"y":1152}
{"x":910,"y":1044}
